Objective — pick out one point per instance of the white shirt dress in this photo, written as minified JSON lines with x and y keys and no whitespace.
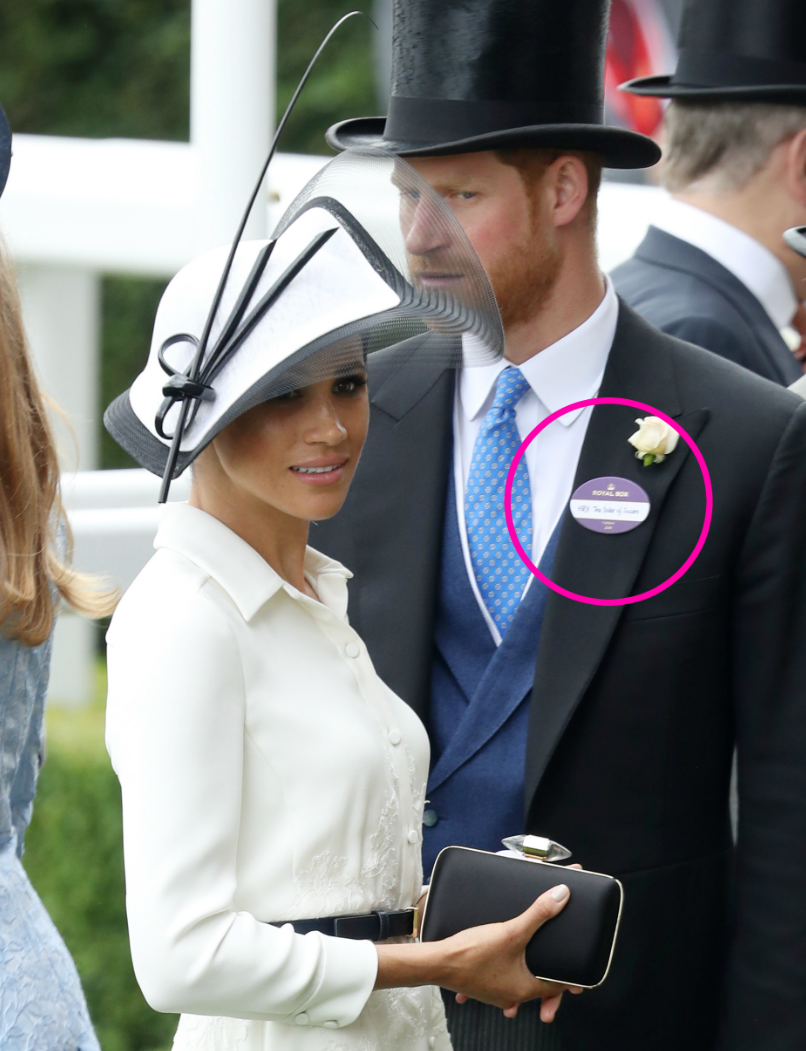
{"x":267,"y":775}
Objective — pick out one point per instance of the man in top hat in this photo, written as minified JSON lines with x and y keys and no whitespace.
{"x":607,"y":727}
{"x":714,"y":268}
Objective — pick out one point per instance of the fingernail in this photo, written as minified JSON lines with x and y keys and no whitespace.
{"x":560,"y":893}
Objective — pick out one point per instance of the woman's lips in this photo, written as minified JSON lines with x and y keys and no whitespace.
{"x":318,"y":473}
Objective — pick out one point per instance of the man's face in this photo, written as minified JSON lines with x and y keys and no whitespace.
{"x":514,"y":239}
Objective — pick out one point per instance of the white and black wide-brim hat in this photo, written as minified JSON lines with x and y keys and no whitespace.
{"x":474,"y":75}
{"x":736,"y":51}
{"x":335,"y":283}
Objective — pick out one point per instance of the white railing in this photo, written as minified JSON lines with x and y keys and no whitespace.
{"x":114,"y":517}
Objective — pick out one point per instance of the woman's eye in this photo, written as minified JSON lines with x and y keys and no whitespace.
{"x":349,"y":384}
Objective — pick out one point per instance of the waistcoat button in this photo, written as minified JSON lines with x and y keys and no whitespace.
{"x":430,"y":818}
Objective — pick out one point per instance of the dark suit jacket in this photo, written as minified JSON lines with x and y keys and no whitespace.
{"x":635,"y":709}
{"x":684,"y":291}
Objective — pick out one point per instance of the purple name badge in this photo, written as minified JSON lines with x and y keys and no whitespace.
{"x":610,"y":505}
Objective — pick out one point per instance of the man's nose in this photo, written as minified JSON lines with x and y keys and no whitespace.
{"x":427,"y":232}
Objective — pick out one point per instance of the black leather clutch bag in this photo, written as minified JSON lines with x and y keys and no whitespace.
{"x":471,"y":887}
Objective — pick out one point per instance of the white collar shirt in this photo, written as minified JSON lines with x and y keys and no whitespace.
{"x":267,"y":774}
{"x":745,"y":257}
{"x":569,"y":370}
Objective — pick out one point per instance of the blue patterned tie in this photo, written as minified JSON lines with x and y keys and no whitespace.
{"x":500,"y":574}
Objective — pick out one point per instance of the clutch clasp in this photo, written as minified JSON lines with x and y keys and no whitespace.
{"x":537,"y":848}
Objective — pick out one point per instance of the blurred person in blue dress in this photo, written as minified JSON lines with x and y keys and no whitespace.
{"x":42,"y":1007}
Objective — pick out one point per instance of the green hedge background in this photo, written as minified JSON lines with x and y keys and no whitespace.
{"x":120,"y":68}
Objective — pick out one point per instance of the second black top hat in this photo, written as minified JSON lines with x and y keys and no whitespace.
{"x":471,"y":75}
{"x":740,"y":50}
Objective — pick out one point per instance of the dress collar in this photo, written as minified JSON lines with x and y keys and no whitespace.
{"x":745,"y":257}
{"x":239,"y":570}
{"x":569,"y":370}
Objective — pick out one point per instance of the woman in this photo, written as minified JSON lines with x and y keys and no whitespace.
{"x":271,"y":782}
{"x":41,"y":1002}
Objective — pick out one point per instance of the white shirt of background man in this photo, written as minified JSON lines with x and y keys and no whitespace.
{"x":745,"y":257}
{"x":569,"y":370}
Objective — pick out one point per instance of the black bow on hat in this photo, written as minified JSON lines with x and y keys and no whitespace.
{"x":472,"y":75}
{"x":736,"y":50}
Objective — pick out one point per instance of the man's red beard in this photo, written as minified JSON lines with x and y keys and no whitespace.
{"x":524,"y":278}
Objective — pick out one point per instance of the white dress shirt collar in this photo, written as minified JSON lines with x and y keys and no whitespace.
{"x":569,"y":370}
{"x":237,"y":568}
{"x":745,"y":257}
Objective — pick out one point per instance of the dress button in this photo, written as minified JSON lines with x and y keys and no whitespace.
{"x":432,"y":1042}
{"x":352,"y":649}
{"x":430,"y":818}
{"x":331,"y":1024}
{"x":302,"y":1019}
{"x":394,"y":735}
{"x":413,"y":836}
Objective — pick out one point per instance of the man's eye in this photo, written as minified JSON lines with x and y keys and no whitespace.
{"x":466,"y":195}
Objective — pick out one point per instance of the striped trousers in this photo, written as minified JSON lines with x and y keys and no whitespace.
{"x":478,"y":1027}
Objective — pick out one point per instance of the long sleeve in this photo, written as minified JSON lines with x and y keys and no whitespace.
{"x":767,"y":963}
{"x":176,"y":736}
{"x":23,"y":788}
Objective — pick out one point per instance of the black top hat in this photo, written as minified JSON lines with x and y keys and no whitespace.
{"x":471,"y":75}
{"x":737,"y":50}
{"x":5,"y":149}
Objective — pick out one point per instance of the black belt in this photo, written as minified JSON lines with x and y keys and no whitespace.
{"x":370,"y":926}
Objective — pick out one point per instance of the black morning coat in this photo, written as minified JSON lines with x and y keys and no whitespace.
{"x":636,"y":709}
{"x":684,"y":291}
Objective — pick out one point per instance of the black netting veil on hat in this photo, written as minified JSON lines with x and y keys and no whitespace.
{"x":366,"y":256}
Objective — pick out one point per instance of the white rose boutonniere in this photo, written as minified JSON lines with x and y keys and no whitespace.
{"x":653,"y":440}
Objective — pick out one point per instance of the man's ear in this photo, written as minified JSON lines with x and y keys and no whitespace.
{"x":567,"y":178}
{"x":796,"y":167}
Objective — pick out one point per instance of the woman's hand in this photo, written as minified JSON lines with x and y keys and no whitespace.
{"x":486,"y":963}
{"x":491,"y":963}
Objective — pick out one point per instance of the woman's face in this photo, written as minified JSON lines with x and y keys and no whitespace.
{"x":297,"y":453}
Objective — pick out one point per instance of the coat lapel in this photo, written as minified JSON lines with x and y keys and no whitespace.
{"x":591,"y":563}
{"x":396,"y":508}
{"x":664,"y":249}
{"x":506,"y":682}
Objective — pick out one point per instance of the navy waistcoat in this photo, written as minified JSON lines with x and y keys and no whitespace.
{"x":479,"y":707}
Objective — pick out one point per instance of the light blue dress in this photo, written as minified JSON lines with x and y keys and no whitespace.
{"x":42,"y":1007}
